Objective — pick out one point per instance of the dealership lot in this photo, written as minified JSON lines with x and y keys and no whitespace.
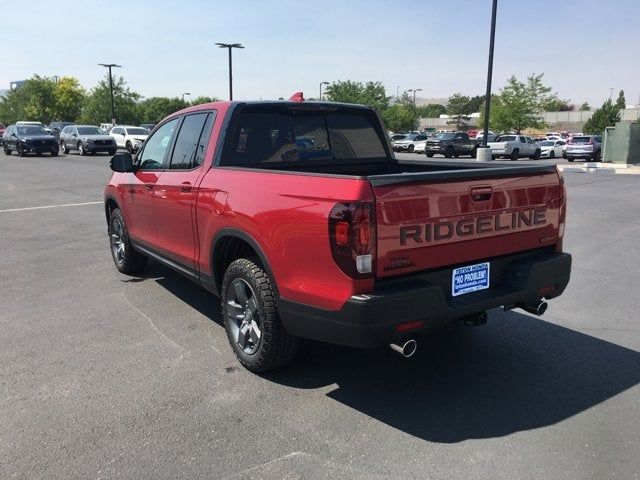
{"x":106,"y":376}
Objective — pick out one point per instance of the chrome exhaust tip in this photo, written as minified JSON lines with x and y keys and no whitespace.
{"x":407,"y":349}
{"x":538,"y":309}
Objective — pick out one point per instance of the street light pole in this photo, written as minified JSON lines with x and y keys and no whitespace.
{"x":487,"y":97}
{"x":229,"y":46}
{"x":185,"y":93}
{"x":414,"y":94}
{"x":610,"y":93}
{"x":113,"y":108}
{"x":322,"y":83}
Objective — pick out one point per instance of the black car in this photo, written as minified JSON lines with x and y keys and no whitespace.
{"x":26,"y":139}
{"x":56,"y":127}
{"x":86,"y":139}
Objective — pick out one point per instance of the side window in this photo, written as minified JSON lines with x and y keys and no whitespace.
{"x":204,"y":138}
{"x":522,"y":140}
{"x":186,"y":145}
{"x":115,"y":131}
{"x":156,"y":146}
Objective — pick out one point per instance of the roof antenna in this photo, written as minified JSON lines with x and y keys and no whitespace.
{"x":297,"y":97}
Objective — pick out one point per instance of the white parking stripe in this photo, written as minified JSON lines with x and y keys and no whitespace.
{"x":48,"y":206}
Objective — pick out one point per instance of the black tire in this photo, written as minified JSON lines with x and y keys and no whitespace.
{"x":570,"y":160}
{"x":20,"y":151}
{"x":251,"y":318}
{"x":552,"y":154}
{"x":81,"y":149}
{"x":536,"y":155}
{"x":126,"y":259}
{"x":474,"y":153}
{"x":448,"y":153}
{"x":63,"y":147}
{"x":411,"y":148}
{"x":112,"y":152}
{"x":129,"y":148}
{"x":38,"y":154}
{"x":596,"y":157}
{"x":515,"y":154}
{"x":6,"y":150}
{"x":430,"y":155}
{"x":54,"y":153}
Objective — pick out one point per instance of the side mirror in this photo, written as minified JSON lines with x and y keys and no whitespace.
{"x":122,"y":163}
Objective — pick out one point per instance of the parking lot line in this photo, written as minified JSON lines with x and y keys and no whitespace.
{"x":48,"y":206}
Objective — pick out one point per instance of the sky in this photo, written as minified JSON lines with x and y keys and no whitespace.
{"x":583,"y":47}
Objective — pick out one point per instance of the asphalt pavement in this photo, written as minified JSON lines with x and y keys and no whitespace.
{"x":108,"y":376}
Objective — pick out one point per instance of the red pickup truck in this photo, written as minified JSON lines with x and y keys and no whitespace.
{"x":299,"y":216}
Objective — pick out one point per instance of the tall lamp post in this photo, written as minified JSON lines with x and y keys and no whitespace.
{"x":113,"y":108}
{"x":414,"y":90}
{"x":322,"y":83}
{"x":185,"y":93}
{"x":486,"y":154}
{"x":230,"y":46}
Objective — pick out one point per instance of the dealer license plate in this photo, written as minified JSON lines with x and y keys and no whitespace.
{"x":470,"y":279}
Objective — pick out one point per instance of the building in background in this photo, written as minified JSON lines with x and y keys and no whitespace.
{"x":16,"y":84}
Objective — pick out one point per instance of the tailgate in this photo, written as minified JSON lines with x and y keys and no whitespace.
{"x":439,"y":222}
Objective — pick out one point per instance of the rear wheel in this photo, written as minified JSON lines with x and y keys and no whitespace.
{"x":127,"y":259}
{"x":54,"y":153}
{"x":536,"y":155}
{"x":6,"y":150}
{"x":596,"y":157}
{"x":448,"y":153}
{"x":251,"y":318}
{"x":514,"y":155}
{"x":430,"y":155}
{"x":570,"y":160}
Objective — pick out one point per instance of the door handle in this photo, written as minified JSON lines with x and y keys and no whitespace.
{"x":480,"y":194}
{"x":185,"y":187}
{"x":148,"y":186}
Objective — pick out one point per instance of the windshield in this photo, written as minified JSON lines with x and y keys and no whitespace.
{"x":506,"y":138}
{"x":89,"y":131}
{"x":137,"y":131}
{"x":547,"y":143}
{"x":270,"y":136}
{"x":446,"y":136}
{"x":31,"y":130}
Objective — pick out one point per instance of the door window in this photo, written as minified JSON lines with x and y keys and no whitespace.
{"x":186,"y":146}
{"x":156,"y":147}
{"x":522,"y":140}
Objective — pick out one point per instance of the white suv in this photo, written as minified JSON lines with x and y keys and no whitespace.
{"x":129,"y":137}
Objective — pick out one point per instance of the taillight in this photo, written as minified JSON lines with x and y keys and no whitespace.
{"x":352,"y":235}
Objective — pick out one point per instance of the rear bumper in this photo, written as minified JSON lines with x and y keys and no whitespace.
{"x":370,"y":320}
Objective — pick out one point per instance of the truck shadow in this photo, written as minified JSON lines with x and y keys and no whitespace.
{"x":516,"y":373}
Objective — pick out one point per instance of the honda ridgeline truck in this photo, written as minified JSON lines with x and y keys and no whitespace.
{"x":300,"y":218}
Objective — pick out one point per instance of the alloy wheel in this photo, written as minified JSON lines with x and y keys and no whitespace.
{"x":243,"y":316}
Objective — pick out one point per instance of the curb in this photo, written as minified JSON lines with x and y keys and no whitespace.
{"x":606,"y":168}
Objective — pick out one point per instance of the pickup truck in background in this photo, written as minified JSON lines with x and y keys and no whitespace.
{"x":514,"y":146}
{"x":300,"y":218}
{"x":451,"y":144}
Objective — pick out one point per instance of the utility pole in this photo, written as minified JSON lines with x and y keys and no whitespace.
{"x":113,"y":108}
{"x":487,"y":97}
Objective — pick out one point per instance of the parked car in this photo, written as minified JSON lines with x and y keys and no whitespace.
{"x":454,"y":144}
{"x":373,"y":252}
{"x":588,"y":147}
{"x":56,"y":127}
{"x":129,"y":137}
{"x":551,"y":148}
{"x":408,"y":144}
{"x":25,"y":139}
{"x":147,"y":126}
{"x":86,"y":139}
{"x":514,"y":147}
{"x":2,"y":130}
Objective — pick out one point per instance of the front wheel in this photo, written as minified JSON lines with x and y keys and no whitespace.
{"x":448,"y":153}
{"x":127,"y":260}
{"x":552,"y":154}
{"x":411,"y":148}
{"x":81,"y":149}
{"x":536,"y":155}
{"x":251,"y":318}
{"x":430,"y":155}
{"x":514,"y":155}
{"x":6,"y":150}
{"x":20,"y":150}
{"x":54,"y":153}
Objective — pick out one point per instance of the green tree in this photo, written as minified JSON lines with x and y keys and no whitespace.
{"x":371,"y":94}
{"x":585,"y":107}
{"x":621,"y":103}
{"x":202,"y":99}
{"x":32,"y":101}
{"x":519,"y":105}
{"x":69,"y":97}
{"x":476,"y":103}
{"x":433,"y":110}
{"x":458,"y":109}
{"x":401,"y":116}
{"x":605,"y":116}
{"x":154,"y":109}
{"x":97,"y":107}
{"x":555,"y":104}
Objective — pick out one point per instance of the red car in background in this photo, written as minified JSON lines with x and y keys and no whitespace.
{"x":2,"y":129}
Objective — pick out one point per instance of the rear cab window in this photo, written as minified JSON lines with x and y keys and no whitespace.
{"x":284,"y":136}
